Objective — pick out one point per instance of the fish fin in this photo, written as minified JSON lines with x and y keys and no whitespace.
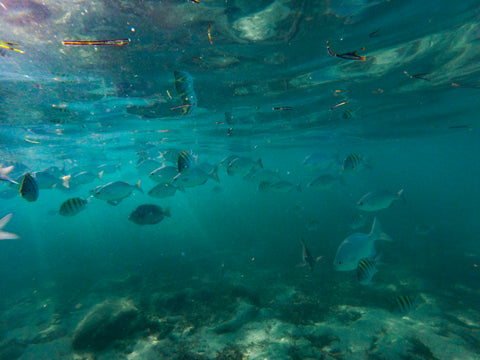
{"x":377,"y":231}
{"x":4,"y":221}
{"x":100,"y":174}
{"x":301,"y":265}
{"x":166,"y":212}
{"x":260,"y":162}
{"x":401,"y":196}
{"x":8,"y":236}
{"x":6,"y":170}
{"x":66,"y":181}
{"x":214,"y":174}
{"x":138,"y":186}
{"x":114,"y":202}
{"x":318,"y":258}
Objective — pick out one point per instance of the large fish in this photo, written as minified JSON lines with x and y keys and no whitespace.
{"x":185,"y":91}
{"x":3,"y":234}
{"x":357,"y":247}
{"x":29,"y":188}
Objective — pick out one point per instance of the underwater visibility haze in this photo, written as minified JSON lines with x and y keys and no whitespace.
{"x":235,"y":179}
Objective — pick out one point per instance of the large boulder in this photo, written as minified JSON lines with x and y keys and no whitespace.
{"x":111,"y":320}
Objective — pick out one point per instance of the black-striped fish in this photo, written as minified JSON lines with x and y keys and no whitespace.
{"x":366,"y":269}
{"x":29,"y":188}
{"x":185,"y":91}
{"x":405,"y":303}
{"x":72,"y":206}
{"x":351,"y":162}
{"x":186,"y":160}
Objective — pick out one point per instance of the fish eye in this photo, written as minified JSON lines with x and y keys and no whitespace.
{"x":360,"y":203}
{"x":340,"y":262}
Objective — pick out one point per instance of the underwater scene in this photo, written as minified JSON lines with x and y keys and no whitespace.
{"x":238,"y":179}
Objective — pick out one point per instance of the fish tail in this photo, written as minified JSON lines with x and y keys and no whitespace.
{"x":377,"y":232}
{"x":214,"y":174}
{"x":401,"y":196}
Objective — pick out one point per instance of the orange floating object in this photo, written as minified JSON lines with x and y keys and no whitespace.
{"x":119,"y":42}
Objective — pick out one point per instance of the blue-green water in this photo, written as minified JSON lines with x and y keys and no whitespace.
{"x":220,"y":278}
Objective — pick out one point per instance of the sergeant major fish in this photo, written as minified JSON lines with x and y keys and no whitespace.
{"x":357,"y":247}
{"x":185,"y":91}
{"x":114,"y":192}
{"x":366,"y":270}
{"x":378,"y":200}
{"x":72,"y":206}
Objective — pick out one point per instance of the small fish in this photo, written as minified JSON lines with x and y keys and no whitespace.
{"x":185,"y":91}
{"x":82,"y":178}
{"x":186,"y":160}
{"x":164,"y":174}
{"x":114,"y":192}
{"x":242,"y":166}
{"x":366,"y":269}
{"x":281,"y":186}
{"x":3,"y":234}
{"x":29,"y":188}
{"x":378,"y":200}
{"x":357,"y":221}
{"x":307,"y":257}
{"x":72,"y":206}
{"x":357,"y":247}
{"x":161,"y":191}
{"x":351,"y":162}
{"x":324,"y":182}
{"x":148,"y":214}
{"x":405,"y":303}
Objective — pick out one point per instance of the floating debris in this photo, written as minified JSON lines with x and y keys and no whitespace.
{"x":209,"y":33}
{"x":282,"y":108}
{"x":116,"y":42}
{"x":8,"y":45}
{"x":348,"y":55}
{"x":420,"y":76}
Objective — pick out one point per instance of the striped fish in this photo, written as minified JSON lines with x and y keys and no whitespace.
{"x":29,"y":188}
{"x":72,"y":206}
{"x":405,"y":303}
{"x":186,"y":159}
{"x":185,"y":91}
{"x":351,"y":162}
{"x":366,"y":270}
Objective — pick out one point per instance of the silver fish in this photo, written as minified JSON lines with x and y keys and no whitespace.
{"x":242,"y":166}
{"x":357,"y":247}
{"x":378,"y":200}
{"x":164,"y":175}
{"x":115,"y":192}
{"x":4,"y":174}
{"x":161,"y":191}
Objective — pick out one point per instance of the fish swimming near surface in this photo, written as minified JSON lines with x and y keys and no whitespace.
{"x":186,"y":160}
{"x":148,"y":214}
{"x":357,"y":247}
{"x":379,"y":200}
{"x":114,"y":192}
{"x":29,"y":188}
{"x":73,"y":206}
{"x":307,"y":256}
{"x":366,"y":270}
{"x":185,"y":91}
{"x":3,"y":234}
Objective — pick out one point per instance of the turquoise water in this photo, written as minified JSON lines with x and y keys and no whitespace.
{"x":220,"y":278}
